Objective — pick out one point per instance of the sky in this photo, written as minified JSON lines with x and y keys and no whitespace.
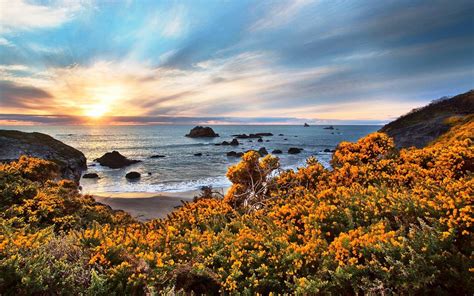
{"x":230,"y":62}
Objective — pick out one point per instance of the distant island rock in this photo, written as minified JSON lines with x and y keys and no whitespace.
{"x":423,"y":125}
{"x":115,"y":160}
{"x":329,"y":127}
{"x":13,"y":144}
{"x":202,"y":132}
{"x":158,"y":156}
{"x":306,"y":125}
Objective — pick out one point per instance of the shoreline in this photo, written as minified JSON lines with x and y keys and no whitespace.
{"x":145,"y":206}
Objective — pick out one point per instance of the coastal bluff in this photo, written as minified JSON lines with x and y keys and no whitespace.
{"x":13,"y":144}
{"x":421,"y":126}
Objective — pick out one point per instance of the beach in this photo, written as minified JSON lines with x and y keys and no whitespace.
{"x":145,"y":206}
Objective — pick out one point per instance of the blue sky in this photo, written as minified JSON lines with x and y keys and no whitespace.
{"x":230,"y":61}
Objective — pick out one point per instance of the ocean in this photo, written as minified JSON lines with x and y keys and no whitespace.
{"x":180,"y":170}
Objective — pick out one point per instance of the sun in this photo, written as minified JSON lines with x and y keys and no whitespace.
{"x":96,"y":111}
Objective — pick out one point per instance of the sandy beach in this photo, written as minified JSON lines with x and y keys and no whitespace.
{"x":146,"y":206}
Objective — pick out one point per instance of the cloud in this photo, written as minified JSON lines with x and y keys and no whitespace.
{"x":13,"y":95}
{"x":5,"y":42}
{"x":279,"y":14}
{"x":21,"y":15}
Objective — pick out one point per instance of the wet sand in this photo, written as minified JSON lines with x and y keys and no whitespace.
{"x":146,"y":206}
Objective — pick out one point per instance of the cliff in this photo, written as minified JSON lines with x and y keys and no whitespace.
{"x":424,"y":125}
{"x":13,"y":144}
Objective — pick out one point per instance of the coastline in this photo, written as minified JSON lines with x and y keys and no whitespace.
{"x":145,"y":206}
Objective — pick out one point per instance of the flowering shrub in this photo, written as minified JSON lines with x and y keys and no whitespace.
{"x":382,"y":221}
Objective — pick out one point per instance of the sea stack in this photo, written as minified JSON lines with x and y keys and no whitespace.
{"x":115,"y":160}
{"x":202,"y":132}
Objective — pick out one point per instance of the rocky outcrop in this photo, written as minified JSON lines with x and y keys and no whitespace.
{"x":423,"y":125}
{"x":198,"y":154}
{"x":91,"y":176}
{"x":202,"y":132}
{"x":234,"y":154}
{"x":13,"y":144}
{"x":277,"y":151}
{"x":294,"y":150}
{"x":262,"y":151}
{"x":306,"y":125}
{"x":133,"y":175}
{"x":329,"y":127}
{"x":158,"y":156}
{"x":115,"y":160}
{"x":234,"y":142}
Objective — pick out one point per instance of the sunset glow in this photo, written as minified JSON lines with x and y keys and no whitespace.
{"x":182,"y":62}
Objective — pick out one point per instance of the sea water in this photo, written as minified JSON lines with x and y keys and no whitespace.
{"x":180,"y":170}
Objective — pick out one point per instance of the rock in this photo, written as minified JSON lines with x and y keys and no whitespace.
{"x":327,"y":150}
{"x":260,"y":140}
{"x":217,"y":144}
{"x":252,"y":136}
{"x":262,"y":151}
{"x":294,"y":150}
{"x":13,"y":144}
{"x":133,"y":175}
{"x":306,"y":125}
{"x":285,"y":139}
{"x":202,"y":132}
{"x":250,"y":141}
{"x":90,"y":176}
{"x":277,"y":151}
{"x":267,"y":140}
{"x":234,"y":142}
{"x":225,"y":143}
{"x":149,"y":173}
{"x":234,"y":154}
{"x":157,"y":156}
{"x":329,"y":127}
{"x":197,"y":154}
{"x":281,"y":135}
{"x":115,"y":160}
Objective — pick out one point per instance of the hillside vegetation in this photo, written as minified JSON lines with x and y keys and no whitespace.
{"x":423,"y":125}
{"x":382,"y":221}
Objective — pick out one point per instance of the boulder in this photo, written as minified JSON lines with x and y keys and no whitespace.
{"x":329,"y":127}
{"x":225,"y":143}
{"x":157,"y":156}
{"x":133,"y":175}
{"x":294,"y":150}
{"x":115,"y":160}
{"x":234,"y":154}
{"x":262,"y":151}
{"x":264,"y":134}
{"x":327,"y":150}
{"x":260,"y":140}
{"x":277,"y":151}
{"x":306,"y":125}
{"x":197,"y":154}
{"x":234,"y":142}
{"x":202,"y":132}
{"x":13,"y":144}
{"x":281,"y":135}
{"x":90,"y":176}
